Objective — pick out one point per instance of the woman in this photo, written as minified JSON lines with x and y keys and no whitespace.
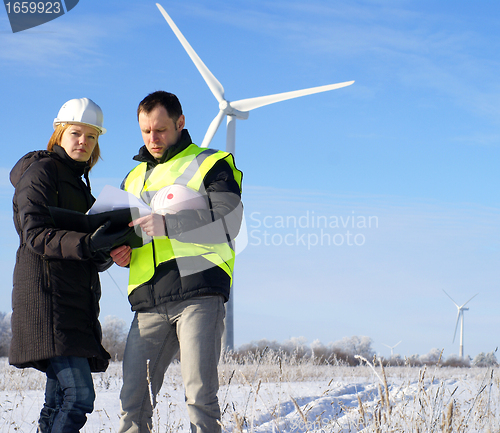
{"x":56,"y":292}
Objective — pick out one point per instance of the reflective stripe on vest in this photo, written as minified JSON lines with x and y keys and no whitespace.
{"x":188,"y":168}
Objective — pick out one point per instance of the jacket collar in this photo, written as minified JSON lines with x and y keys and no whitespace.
{"x":145,"y":156}
{"x":80,"y":168}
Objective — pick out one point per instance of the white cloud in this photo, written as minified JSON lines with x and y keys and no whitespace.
{"x":393,"y":44}
{"x":48,"y":46}
{"x":76,"y":37}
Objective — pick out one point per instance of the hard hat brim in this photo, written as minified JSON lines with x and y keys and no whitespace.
{"x":100,"y":129}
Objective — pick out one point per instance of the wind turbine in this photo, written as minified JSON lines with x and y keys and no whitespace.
{"x":234,"y":110}
{"x":392,"y":348}
{"x":460,"y":316}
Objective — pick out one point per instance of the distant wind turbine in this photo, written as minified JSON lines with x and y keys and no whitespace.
{"x":234,"y":110}
{"x":460,"y":317}
{"x":392,"y":348}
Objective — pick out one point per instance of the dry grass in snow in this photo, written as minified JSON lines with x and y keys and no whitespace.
{"x":279,"y":393}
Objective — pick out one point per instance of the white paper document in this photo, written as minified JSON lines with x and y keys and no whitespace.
{"x":112,"y":198}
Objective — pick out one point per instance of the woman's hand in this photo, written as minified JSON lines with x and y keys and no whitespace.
{"x":121,"y":255}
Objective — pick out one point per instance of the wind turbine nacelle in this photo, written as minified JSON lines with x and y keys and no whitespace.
{"x":228,"y":110}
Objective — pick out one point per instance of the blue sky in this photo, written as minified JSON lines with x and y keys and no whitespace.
{"x":362,"y":204}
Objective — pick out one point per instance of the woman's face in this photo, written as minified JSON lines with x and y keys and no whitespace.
{"x":79,"y":141}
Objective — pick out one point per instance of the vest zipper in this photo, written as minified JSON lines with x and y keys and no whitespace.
{"x":151,"y":286}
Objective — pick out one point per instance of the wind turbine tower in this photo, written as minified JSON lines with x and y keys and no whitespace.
{"x":234,"y":110}
{"x":460,"y":317}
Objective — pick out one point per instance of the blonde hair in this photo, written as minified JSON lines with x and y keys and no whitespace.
{"x":56,"y":138}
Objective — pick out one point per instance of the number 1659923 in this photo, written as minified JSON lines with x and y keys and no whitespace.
{"x":34,"y":7}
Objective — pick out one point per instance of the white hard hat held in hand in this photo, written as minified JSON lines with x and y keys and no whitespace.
{"x":81,"y":111}
{"x":173,"y":198}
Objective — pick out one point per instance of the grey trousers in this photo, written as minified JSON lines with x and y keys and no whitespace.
{"x":193,"y":327}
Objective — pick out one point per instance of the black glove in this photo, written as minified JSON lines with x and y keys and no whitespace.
{"x":103,"y":240}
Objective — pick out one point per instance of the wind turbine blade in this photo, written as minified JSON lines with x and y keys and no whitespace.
{"x":456,"y":326}
{"x":452,"y":299}
{"x":212,"y":129}
{"x":252,"y":103}
{"x":212,"y":82}
{"x":469,"y":300}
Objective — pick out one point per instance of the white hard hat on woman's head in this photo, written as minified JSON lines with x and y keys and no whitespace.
{"x":83,"y":111}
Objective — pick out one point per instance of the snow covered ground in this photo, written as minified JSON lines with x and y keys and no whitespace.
{"x":276,"y":395}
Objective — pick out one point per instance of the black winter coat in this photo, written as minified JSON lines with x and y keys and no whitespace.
{"x":55,"y":298}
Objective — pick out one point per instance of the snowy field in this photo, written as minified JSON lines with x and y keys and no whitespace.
{"x":285,"y":395}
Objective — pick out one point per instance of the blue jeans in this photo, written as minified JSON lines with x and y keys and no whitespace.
{"x":194,"y":327}
{"x":69,"y":395}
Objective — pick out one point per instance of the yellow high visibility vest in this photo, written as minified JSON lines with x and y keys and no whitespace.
{"x":188,"y":168}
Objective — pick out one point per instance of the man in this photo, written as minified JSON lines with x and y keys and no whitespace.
{"x":179,"y":281}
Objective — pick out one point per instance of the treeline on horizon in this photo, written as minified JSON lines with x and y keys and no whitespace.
{"x":342,"y":352}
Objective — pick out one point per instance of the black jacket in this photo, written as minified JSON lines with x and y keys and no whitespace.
{"x":224,"y":197}
{"x":55,"y":298}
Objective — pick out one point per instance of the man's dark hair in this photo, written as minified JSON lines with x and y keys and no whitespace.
{"x":167,"y":100}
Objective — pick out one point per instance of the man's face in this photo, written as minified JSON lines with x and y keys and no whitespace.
{"x":159,"y":131}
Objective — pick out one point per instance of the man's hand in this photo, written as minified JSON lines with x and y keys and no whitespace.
{"x":121,"y":255}
{"x":152,"y":225}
